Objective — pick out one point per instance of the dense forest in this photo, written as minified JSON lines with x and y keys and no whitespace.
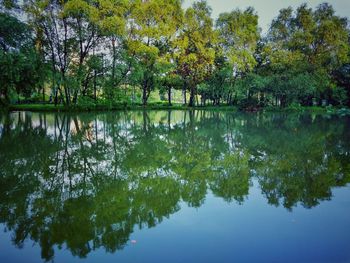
{"x":107,"y":52}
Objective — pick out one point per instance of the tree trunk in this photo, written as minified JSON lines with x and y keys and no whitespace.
{"x":262,"y":99}
{"x":66,"y":91}
{"x":56,"y":95}
{"x":283,"y":101}
{"x":95,"y":84}
{"x":169,"y":96}
{"x":54,"y":76}
{"x":184,"y":94}
{"x":229,"y":99}
{"x":191,"y":103}
{"x":67,"y":95}
{"x":75,"y":97}
{"x":113,"y":61}
{"x":144,"y":94}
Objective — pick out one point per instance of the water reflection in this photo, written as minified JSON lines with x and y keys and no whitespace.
{"x":85,"y":181}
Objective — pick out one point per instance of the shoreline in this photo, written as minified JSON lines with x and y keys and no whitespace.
{"x":121,"y":107}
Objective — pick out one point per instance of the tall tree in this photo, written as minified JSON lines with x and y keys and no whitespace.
{"x":239,"y":34}
{"x":59,"y":40}
{"x":150,"y":22}
{"x":20,"y":65}
{"x":195,"y":47}
{"x":307,"y":41}
{"x":91,"y":21}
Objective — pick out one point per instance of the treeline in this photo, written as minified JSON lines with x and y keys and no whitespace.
{"x":119,"y":51}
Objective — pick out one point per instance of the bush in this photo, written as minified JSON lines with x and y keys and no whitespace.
{"x":295,"y":106}
{"x":251,"y":104}
{"x":330,"y":109}
{"x":339,"y":96}
{"x":86,"y":103}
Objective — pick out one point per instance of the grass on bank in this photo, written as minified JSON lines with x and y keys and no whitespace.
{"x":104,"y":107}
{"x":166,"y":106}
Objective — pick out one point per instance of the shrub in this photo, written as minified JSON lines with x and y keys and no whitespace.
{"x":86,"y":103}
{"x":249,"y":104}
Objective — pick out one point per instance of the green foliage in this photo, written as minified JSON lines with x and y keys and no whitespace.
{"x":339,"y":96}
{"x":195,"y":54}
{"x":20,"y":66}
{"x":14,"y":34}
{"x":302,"y":50}
{"x":152,"y":23}
{"x":239,"y":34}
{"x":86,"y":102}
{"x":101,"y":48}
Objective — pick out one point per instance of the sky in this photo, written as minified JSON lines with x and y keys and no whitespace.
{"x":268,"y":9}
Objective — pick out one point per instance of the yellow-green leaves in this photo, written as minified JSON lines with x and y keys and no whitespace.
{"x":111,"y":16}
{"x":154,"y":19}
{"x":143,"y":50}
{"x":239,"y":34}
{"x":151,"y":26}
{"x":319,"y":36}
{"x":195,"y":51}
{"x":108,"y":15}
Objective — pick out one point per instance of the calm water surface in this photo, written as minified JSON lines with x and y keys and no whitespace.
{"x":174,"y":186}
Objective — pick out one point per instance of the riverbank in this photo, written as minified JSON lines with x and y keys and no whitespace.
{"x":165,"y":106}
{"x":101,"y":107}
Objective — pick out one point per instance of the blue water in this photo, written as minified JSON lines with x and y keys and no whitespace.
{"x":247,"y":228}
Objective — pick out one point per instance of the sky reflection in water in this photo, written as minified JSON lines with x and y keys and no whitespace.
{"x":188,"y":186}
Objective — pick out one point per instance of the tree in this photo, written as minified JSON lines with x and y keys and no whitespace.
{"x":93,"y":22}
{"x":112,"y":51}
{"x":239,"y":35}
{"x":20,"y":65}
{"x":150,"y":23}
{"x":218,"y":84}
{"x":342,"y":76}
{"x":307,"y":43}
{"x":195,"y":52}
{"x":59,"y":42}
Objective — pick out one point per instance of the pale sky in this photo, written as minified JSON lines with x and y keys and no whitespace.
{"x":268,"y":9}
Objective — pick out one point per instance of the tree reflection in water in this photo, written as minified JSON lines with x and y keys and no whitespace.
{"x":85,"y":181}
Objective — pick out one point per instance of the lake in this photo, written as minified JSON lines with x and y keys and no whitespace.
{"x":174,"y":186}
